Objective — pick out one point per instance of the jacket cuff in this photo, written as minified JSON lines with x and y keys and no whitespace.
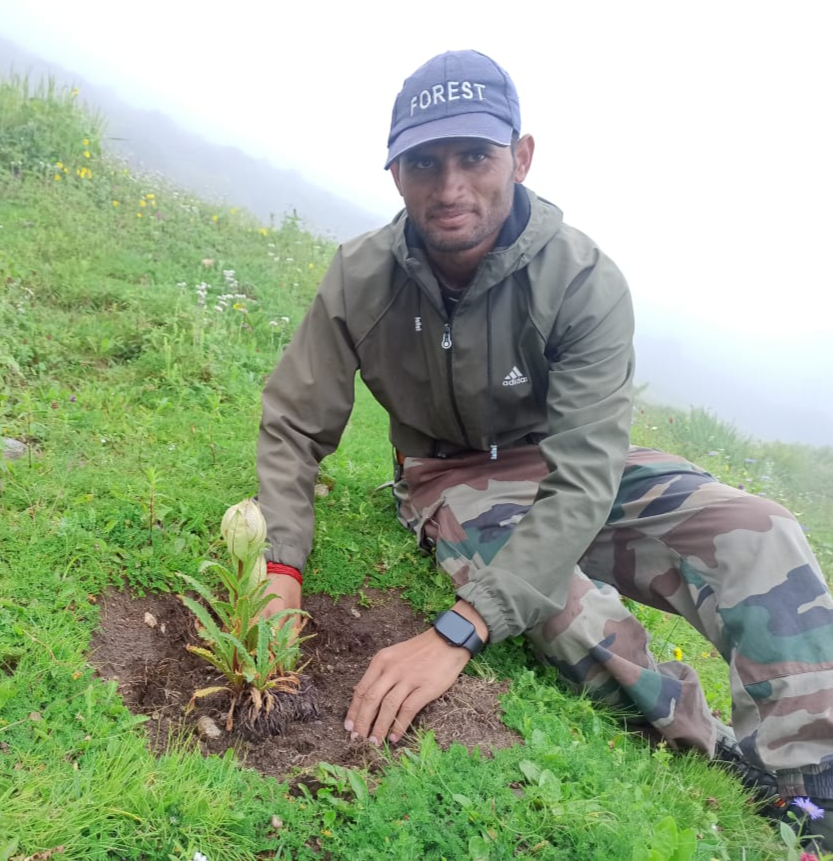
{"x":286,"y":554}
{"x":489,"y":606}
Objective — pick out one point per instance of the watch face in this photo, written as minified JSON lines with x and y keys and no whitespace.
{"x":454,"y":627}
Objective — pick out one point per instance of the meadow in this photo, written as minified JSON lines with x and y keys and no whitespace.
{"x":137,"y":324}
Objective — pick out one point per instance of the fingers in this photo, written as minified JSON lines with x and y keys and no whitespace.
{"x":365,"y":700}
{"x":408,"y":710}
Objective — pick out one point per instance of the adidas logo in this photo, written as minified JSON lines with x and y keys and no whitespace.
{"x":515,"y":377}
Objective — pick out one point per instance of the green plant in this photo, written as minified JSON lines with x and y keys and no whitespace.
{"x":257,"y":656}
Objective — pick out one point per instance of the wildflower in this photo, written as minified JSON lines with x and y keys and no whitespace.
{"x":73,"y":399}
{"x":215,"y":217}
{"x":74,"y":93}
{"x":312,"y":266}
{"x":263,"y":231}
{"x":741,"y":487}
{"x":326,"y":832}
{"x":678,"y":654}
{"x":233,"y":210}
{"x":115,"y":203}
{"x":86,"y":153}
{"x":284,"y":319}
{"x":198,"y":856}
{"x":85,"y":142}
{"x":273,"y":322}
{"x":714,"y":453}
{"x":808,"y":856}
{"x":138,"y":215}
{"x":142,"y":203}
{"x":59,"y":165}
{"x":813,"y":811}
{"x":57,"y":177}
{"x":218,"y":308}
{"x":150,"y":196}
{"x":750,"y":460}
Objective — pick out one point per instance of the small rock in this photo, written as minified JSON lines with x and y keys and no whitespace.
{"x":207,"y":728}
{"x":150,"y":620}
{"x":208,"y":261}
{"x":35,"y":716}
{"x":13,"y":448}
{"x":277,"y":823}
{"x":321,"y":490}
{"x":355,"y":613}
{"x":162,"y":627}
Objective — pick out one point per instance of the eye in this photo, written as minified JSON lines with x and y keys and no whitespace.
{"x":476,"y":156}
{"x":423,"y":163}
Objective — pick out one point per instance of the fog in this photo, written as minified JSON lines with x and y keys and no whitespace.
{"x":691,"y":141}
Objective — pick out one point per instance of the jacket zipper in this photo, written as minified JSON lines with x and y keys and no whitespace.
{"x":446,"y":344}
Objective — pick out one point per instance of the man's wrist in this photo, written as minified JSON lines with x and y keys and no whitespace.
{"x":467,"y":611}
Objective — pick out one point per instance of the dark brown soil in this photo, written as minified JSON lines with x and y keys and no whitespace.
{"x":157,"y":677}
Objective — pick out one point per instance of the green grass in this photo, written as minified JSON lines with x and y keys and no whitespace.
{"x":140,"y":407}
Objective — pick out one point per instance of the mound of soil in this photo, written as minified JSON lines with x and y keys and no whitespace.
{"x":141,"y":643}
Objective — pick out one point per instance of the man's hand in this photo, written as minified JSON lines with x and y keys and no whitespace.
{"x":287,"y":592}
{"x":404,"y":678}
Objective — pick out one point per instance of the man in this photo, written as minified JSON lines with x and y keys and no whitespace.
{"x":499,"y":340}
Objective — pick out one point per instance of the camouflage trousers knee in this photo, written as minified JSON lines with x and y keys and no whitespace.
{"x":736,"y":566}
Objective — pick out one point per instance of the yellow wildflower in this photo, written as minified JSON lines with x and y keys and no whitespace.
{"x":264,"y":231}
{"x":85,"y":142}
{"x":86,"y":153}
{"x":115,"y":203}
{"x":312,"y":266}
{"x":74,"y":93}
{"x":66,"y":170}
{"x":142,"y":203}
{"x":215,"y":217}
{"x":233,"y":210}
{"x":59,"y":165}
{"x":57,"y":177}
{"x":150,"y":196}
{"x":138,"y":215}
{"x":678,"y":654}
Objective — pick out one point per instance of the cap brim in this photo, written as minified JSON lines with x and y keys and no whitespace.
{"x":472,"y":125}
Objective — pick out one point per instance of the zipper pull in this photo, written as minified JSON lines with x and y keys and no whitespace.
{"x":446,"y":341}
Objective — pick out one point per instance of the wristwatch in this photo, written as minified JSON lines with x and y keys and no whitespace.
{"x":456,"y":630}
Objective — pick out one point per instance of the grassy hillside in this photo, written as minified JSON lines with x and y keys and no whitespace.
{"x":136,"y":327}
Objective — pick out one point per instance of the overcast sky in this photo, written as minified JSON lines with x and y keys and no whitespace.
{"x":692,"y":140}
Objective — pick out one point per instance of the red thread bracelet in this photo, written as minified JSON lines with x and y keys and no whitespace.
{"x":280,"y":568}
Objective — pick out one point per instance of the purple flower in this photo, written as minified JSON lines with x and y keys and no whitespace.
{"x":73,"y":399}
{"x":807,"y":806}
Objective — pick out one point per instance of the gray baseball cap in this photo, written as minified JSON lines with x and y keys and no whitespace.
{"x":459,"y":94}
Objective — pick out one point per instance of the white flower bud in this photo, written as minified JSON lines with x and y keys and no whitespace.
{"x":243,"y":527}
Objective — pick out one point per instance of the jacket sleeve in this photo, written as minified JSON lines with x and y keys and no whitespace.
{"x":307,"y":401}
{"x":589,"y":404}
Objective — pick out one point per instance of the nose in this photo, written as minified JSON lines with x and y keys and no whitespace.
{"x":449,"y":182}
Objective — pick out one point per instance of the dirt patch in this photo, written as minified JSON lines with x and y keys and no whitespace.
{"x":156,"y":677}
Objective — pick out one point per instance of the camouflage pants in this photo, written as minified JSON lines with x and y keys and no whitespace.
{"x":736,"y":566}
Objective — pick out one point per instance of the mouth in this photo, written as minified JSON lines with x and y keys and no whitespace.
{"x":450,"y":218}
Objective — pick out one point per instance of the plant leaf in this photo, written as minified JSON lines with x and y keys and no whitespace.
{"x":204,"y":617}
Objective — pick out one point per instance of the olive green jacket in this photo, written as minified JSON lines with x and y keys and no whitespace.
{"x":539,"y":349}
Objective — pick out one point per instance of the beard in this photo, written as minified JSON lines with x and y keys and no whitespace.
{"x":484,"y":221}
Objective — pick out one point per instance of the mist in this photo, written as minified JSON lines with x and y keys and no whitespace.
{"x":692,"y":145}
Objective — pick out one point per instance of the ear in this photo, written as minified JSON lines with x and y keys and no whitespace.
{"x":523,"y":157}
{"x":394,"y":172}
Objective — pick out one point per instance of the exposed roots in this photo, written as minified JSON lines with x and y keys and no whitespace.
{"x":261,"y":714}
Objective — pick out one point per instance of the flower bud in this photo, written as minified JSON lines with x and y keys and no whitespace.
{"x":243,"y":529}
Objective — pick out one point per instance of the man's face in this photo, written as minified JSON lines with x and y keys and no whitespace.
{"x":458,"y":192}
